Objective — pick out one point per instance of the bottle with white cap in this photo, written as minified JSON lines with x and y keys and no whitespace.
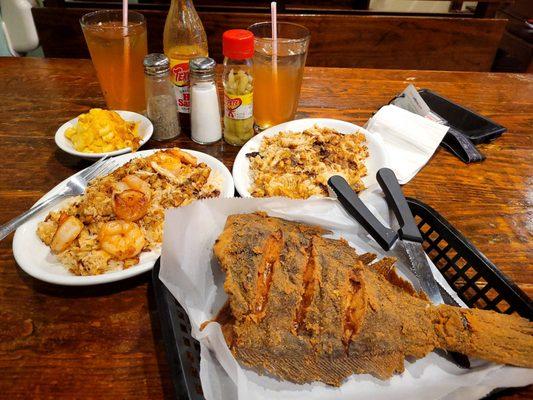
{"x":206,"y":126}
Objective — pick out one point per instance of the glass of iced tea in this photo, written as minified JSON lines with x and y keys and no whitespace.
{"x":117,"y":52}
{"x":277,"y":80}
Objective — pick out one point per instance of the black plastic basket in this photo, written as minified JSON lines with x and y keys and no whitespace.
{"x":476,"y":280}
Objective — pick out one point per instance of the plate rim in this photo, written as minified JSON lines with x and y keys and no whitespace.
{"x":242,"y":152}
{"x":18,"y":245}
{"x":59,"y":137}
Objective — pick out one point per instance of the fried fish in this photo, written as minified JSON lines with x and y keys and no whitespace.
{"x":307,"y":308}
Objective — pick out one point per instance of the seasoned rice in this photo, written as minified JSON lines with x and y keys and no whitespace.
{"x":299,"y":164}
{"x":186,"y":182}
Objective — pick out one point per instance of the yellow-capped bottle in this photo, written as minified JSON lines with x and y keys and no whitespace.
{"x":184,"y":38}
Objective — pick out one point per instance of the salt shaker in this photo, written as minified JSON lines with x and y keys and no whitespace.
{"x":205,"y":109}
{"x":160,"y":97}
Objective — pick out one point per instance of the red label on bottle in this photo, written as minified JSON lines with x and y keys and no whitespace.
{"x":232,"y":104}
{"x":180,"y":74}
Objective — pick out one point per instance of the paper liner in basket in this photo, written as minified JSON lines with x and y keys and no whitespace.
{"x":193,"y":276}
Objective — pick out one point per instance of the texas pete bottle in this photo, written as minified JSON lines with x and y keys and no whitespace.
{"x":184,"y":38}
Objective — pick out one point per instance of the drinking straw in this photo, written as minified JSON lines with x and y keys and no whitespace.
{"x":274,"y":23}
{"x":126,"y":55}
{"x":273,"y":16}
{"x":125,"y":14}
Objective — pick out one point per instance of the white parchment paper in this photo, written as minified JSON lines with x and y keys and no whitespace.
{"x":193,"y":276}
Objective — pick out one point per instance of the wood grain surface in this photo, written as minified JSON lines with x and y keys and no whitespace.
{"x":104,"y":342}
{"x":456,"y":44}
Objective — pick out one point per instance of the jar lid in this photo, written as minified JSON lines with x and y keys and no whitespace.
{"x":238,"y":44}
{"x":202,"y":66}
{"x":156,"y":64}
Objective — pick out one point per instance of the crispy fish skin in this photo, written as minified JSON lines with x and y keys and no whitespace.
{"x":306,"y":308}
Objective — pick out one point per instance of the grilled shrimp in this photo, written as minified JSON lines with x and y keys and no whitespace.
{"x":171,"y":157}
{"x":121,"y":239}
{"x":169,"y":162}
{"x":131,"y":199}
{"x":68,"y":230}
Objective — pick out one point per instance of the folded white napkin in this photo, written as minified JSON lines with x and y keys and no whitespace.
{"x":410,"y":140}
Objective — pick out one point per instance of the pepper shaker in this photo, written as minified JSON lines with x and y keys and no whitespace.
{"x":160,"y":98}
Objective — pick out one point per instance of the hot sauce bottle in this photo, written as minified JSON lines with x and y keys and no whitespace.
{"x":183,"y":39}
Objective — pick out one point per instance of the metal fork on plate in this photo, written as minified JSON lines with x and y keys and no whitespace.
{"x":76,"y":186}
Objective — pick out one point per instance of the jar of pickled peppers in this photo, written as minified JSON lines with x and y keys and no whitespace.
{"x":238,"y":50}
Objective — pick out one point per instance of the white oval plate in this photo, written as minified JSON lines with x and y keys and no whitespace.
{"x":377,"y":158}
{"x":35,"y":258}
{"x":145,"y":132}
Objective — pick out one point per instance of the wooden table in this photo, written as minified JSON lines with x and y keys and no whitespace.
{"x":105,"y":341}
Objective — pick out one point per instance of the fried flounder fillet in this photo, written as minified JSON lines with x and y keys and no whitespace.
{"x":305,"y":308}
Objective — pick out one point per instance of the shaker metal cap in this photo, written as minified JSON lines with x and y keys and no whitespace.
{"x":202,"y":66}
{"x":156,"y":64}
